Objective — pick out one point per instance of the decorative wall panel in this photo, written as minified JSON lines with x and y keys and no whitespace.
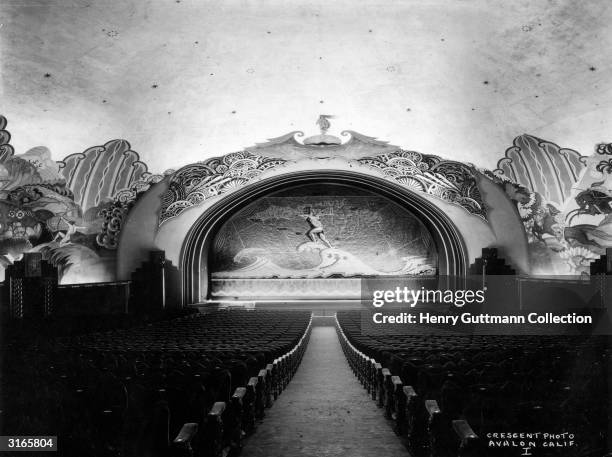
{"x":450,"y":181}
{"x":193,"y":184}
{"x":542,"y":167}
{"x":100,"y":172}
{"x":322,"y":232}
{"x":73,"y":211}
{"x":564,"y":200}
{"x":69,"y":211}
{"x":6,"y":150}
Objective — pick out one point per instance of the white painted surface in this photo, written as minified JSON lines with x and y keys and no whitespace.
{"x":228,"y":74}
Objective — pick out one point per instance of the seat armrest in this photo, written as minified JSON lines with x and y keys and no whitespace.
{"x":409,"y":392}
{"x":187,"y":433}
{"x":217,"y":409}
{"x":239,"y":393}
{"x":432,"y":408}
{"x":182,"y":444}
{"x":397,"y":382}
{"x":464,"y":431}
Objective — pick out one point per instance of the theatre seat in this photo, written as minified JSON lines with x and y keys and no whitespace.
{"x":176,"y":387}
{"x":457,"y":388}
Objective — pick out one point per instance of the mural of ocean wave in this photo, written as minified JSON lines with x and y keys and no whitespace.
{"x":334,"y":263}
{"x":322,"y":231}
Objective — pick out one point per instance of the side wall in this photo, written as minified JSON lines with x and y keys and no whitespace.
{"x":505,"y":223}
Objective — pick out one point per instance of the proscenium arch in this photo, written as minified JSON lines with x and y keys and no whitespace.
{"x":452,"y":256}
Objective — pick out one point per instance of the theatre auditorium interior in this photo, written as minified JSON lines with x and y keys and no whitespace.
{"x":217,"y":309}
{"x":226,"y":306}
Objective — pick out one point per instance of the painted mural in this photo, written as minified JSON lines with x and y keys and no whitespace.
{"x":315,"y":232}
{"x":71,"y":211}
{"x":564,"y":200}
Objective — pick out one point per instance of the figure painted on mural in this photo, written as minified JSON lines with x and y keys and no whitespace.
{"x":541,"y":218}
{"x":316,"y":232}
{"x":288,"y":236}
{"x":593,"y":201}
{"x":64,"y":237}
{"x":546,"y":220}
{"x":517,"y":193}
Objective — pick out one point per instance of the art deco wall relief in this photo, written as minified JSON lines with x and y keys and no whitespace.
{"x":448,"y":180}
{"x":73,"y":210}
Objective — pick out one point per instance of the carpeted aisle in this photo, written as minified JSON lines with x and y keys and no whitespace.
{"x":324,"y":411}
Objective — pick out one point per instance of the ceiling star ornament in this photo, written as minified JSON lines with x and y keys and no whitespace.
{"x":193,"y":184}
{"x":451,"y":181}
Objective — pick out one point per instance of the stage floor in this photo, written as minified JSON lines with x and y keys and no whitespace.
{"x":318,"y":307}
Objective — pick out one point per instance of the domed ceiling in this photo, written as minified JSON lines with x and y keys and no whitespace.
{"x":184,"y":80}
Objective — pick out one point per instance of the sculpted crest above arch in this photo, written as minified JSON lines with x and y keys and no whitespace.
{"x":448,"y":180}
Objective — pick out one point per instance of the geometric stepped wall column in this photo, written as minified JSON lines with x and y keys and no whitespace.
{"x":601,"y":276}
{"x":155,"y":285}
{"x":498,"y":279}
{"x":489,"y":263}
{"x":603,"y":265}
{"x":31,"y":287}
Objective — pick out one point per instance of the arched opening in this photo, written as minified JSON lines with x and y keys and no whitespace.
{"x":207,"y":260}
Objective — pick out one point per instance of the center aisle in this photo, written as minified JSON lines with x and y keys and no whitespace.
{"x":324,"y":411}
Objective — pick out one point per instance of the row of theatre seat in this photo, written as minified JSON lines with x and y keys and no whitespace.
{"x":195,"y":385}
{"x":449,"y":395}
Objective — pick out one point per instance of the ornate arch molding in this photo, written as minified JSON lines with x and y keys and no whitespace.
{"x":194,"y":254}
{"x":448,"y":180}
